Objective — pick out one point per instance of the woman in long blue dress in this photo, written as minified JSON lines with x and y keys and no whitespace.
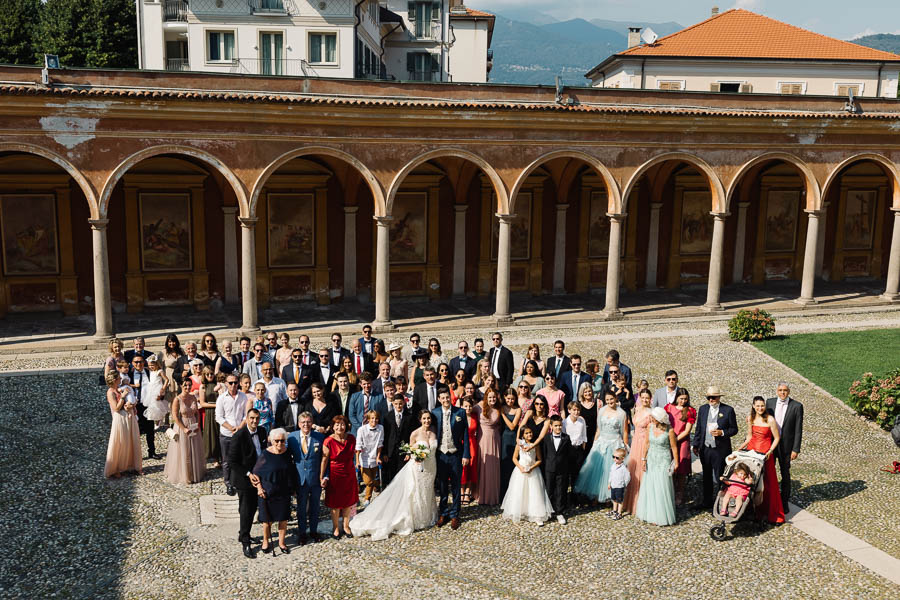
{"x":656,"y":500}
{"x":612,"y":433}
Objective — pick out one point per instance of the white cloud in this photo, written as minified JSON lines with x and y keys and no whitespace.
{"x":754,"y":5}
{"x":870,"y":31}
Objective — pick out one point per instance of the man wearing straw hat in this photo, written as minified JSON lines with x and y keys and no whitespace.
{"x":716,"y":424}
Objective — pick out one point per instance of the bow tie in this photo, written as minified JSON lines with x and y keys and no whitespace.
{"x":557,"y":437}
{"x":295,"y":402}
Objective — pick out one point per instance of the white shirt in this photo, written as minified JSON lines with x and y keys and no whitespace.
{"x":276,"y":390}
{"x":368,"y":440}
{"x":496,"y":362}
{"x":556,"y":440}
{"x":576,"y":430}
{"x":325,"y":368}
{"x":230,"y":409}
{"x":619,"y":475}
{"x":670,"y":396}
{"x":780,"y":411}
{"x":255,"y":439}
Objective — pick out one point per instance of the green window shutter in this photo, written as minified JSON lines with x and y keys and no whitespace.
{"x":435,"y":63}
{"x":411,"y":8}
{"x":411,"y":61}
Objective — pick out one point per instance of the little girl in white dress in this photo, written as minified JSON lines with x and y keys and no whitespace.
{"x":157,"y":407}
{"x":526,"y":498}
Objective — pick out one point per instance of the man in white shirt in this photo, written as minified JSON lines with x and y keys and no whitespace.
{"x":325,"y":372}
{"x":337,"y":352}
{"x":384,"y":376}
{"x":276,"y":391}
{"x":253,"y":367}
{"x":414,"y":341}
{"x":230,"y":415}
{"x":666,"y":395}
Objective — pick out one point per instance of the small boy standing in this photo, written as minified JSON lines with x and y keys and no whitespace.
{"x":575,"y":427}
{"x":369,"y":442}
{"x":557,"y":454}
{"x":619,"y":477}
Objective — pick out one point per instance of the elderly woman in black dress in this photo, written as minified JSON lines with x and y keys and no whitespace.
{"x":277,"y":481}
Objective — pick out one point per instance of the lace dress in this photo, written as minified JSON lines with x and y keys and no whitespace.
{"x":526,"y":498}
{"x":593,"y":478}
{"x":656,"y":502}
{"x":406,"y":505}
{"x":186,"y":458}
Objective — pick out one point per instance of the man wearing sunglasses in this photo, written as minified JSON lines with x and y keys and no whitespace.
{"x":303,"y":375}
{"x":324,"y":370}
{"x":230,"y":413}
{"x":666,"y":395}
{"x":140,"y":378}
{"x":501,"y":360}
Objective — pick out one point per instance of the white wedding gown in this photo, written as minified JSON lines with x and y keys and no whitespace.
{"x":407,"y":504}
{"x":526,"y":499}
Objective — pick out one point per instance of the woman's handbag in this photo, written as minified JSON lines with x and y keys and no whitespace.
{"x":172,"y":434}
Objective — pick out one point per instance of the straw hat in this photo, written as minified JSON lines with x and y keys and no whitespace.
{"x":713,"y":391}
{"x":660,"y":415}
{"x":394,"y":346}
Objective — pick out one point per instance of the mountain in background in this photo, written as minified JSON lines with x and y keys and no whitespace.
{"x":530,"y":53}
{"x":526,"y":15}
{"x":880,"y":41}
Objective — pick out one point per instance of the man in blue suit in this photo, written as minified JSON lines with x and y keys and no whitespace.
{"x":452,"y":455}
{"x":571,"y":380}
{"x":305,"y":447}
{"x":716,"y":424}
{"x":362,"y":401}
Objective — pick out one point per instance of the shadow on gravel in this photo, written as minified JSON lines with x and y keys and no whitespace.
{"x":833,"y":490}
{"x":66,"y":527}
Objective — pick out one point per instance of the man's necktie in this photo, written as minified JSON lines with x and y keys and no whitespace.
{"x":358,"y":365}
{"x":296,"y":374}
{"x":305,"y":445}
{"x":365,"y":403}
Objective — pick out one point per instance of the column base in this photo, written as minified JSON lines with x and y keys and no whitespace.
{"x":611,"y":315}
{"x":559,"y":292}
{"x":712,"y":308}
{"x":892,"y":298}
{"x":250,"y":332}
{"x":100,"y":337}
{"x":503,"y":319}
{"x":806,"y":301}
{"x":383,"y":327}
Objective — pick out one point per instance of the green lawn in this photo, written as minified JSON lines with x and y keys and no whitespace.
{"x":834,"y":360}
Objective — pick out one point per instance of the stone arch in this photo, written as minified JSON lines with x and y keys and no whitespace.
{"x":83,"y":183}
{"x":499,"y":187}
{"x":892,"y":169}
{"x":719,"y":203}
{"x":123,"y":167}
{"x":615,"y":200}
{"x":813,"y":193}
{"x":374,"y":185}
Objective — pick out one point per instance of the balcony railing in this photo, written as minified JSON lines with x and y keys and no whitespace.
{"x":272,"y":7}
{"x":178,"y":64}
{"x":290,"y":67}
{"x":175,"y":10}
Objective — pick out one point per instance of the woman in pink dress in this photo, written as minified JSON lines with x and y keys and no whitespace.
{"x":469,"y":479}
{"x":763,"y":437}
{"x":186,"y":457}
{"x":683,"y":416}
{"x":489,"y":449}
{"x":554,"y":396}
{"x":123,"y":453}
{"x":639,"y":442}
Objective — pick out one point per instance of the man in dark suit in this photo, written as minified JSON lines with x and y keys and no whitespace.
{"x":297,"y":372}
{"x":287,"y":413}
{"x":452,"y":455}
{"x":362,"y":361}
{"x":140,"y":378}
{"x":324,"y":371}
{"x":246,"y":446}
{"x":384,"y":376}
{"x":399,"y":423}
{"x":464,"y":362}
{"x":305,"y":447}
{"x":367,"y":340}
{"x":559,"y":363}
{"x":788,"y":414}
{"x":138,"y":351}
{"x":613,"y":362}
{"x":306,"y":356}
{"x":716,"y":424}
{"x":246,"y":352}
{"x":557,"y":454}
{"x":337,"y":352}
{"x":501,"y":360}
{"x":362,"y":402}
{"x":425,"y":395}
{"x":570,"y":381}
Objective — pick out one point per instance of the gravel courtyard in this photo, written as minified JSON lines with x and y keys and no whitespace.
{"x":70,"y":533}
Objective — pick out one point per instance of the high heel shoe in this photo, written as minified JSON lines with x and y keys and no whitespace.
{"x":268,"y":549}
{"x":284,"y":549}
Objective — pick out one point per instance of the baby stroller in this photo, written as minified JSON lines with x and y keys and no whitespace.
{"x":755,"y":462}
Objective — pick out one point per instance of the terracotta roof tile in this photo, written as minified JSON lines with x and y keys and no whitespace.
{"x":739,"y":33}
{"x":471,"y":12}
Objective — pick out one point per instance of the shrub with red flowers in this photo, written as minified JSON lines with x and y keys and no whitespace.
{"x":751,"y":326}
{"x":877,"y":398}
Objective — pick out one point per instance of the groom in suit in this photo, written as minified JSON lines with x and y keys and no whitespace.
{"x":452,"y":455}
{"x":716,"y":425}
{"x":788,"y":414}
{"x":305,"y":447}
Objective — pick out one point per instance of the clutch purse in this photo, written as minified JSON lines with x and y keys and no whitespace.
{"x":172,"y":434}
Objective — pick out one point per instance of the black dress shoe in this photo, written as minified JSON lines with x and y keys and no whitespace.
{"x":229,"y":489}
{"x":248,"y":552}
{"x":315,"y":538}
{"x":302,"y":540}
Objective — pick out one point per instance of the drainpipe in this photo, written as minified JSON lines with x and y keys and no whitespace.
{"x":355,"y":35}
{"x":381,"y":45}
{"x":445,"y":25}
{"x":140,"y":32}
{"x":643,"y":60}
{"x":878,"y":88}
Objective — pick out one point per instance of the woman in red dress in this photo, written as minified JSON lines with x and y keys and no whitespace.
{"x":683,"y":417}
{"x":763,"y":437}
{"x":469,"y":479}
{"x":339,"y":476}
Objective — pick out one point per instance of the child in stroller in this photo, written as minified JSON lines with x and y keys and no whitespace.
{"x":738,"y":488}
{"x":741,"y":485}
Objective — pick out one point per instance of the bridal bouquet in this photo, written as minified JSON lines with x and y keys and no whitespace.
{"x":418,"y":452}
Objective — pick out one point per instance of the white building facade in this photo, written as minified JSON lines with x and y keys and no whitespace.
{"x":431,"y":41}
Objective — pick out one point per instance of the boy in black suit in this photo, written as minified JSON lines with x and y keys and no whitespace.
{"x":557,"y":452}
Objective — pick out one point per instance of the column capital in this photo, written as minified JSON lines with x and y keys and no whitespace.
{"x":743,"y":205}
{"x":656,"y":205}
{"x":720,"y":216}
{"x":460,"y":208}
{"x":618,"y":217}
{"x":382,"y":221}
{"x":895,"y":210}
{"x":248,"y":222}
{"x":351,"y":210}
{"x":98,"y":224}
{"x":508,"y":218}
{"x":562,"y":207}
{"x":813,"y":214}
{"x":229,"y":210}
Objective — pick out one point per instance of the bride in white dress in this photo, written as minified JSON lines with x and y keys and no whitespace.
{"x":407,"y":504}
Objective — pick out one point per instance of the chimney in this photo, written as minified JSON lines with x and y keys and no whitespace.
{"x":715,"y":11}
{"x":634,"y":37}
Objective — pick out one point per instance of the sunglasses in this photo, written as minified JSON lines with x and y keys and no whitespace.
{"x":296,"y":355}
{"x":277,"y":441}
{"x":671,"y":379}
{"x":323,"y":356}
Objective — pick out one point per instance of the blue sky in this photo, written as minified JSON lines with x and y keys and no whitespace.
{"x":844,"y":19}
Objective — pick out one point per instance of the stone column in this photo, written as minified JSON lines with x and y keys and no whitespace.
{"x":382,"y":320}
{"x":740,"y":244}
{"x":559,"y":252}
{"x":820,"y":245}
{"x":892,"y":290}
{"x":614,"y":267}
{"x":807,"y":291}
{"x":501,"y":313}
{"x":653,"y":246}
{"x":102,"y":297}
{"x":459,"y":252}
{"x":231,"y":269}
{"x":716,"y":261}
{"x":250,"y":326}
{"x":350,"y":251}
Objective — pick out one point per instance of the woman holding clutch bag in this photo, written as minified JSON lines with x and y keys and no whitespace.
{"x":185,"y":459}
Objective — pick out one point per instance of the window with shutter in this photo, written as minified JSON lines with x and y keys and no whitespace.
{"x":746,"y":88}
{"x":670,"y":85}
{"x":795,"y":89}
{"x":714,"y":87}
{"x":844,"y":90}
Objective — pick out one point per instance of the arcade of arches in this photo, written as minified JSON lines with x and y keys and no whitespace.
{"x":139,"y":214}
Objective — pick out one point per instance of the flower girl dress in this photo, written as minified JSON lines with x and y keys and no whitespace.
{"x":526,"y":497}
